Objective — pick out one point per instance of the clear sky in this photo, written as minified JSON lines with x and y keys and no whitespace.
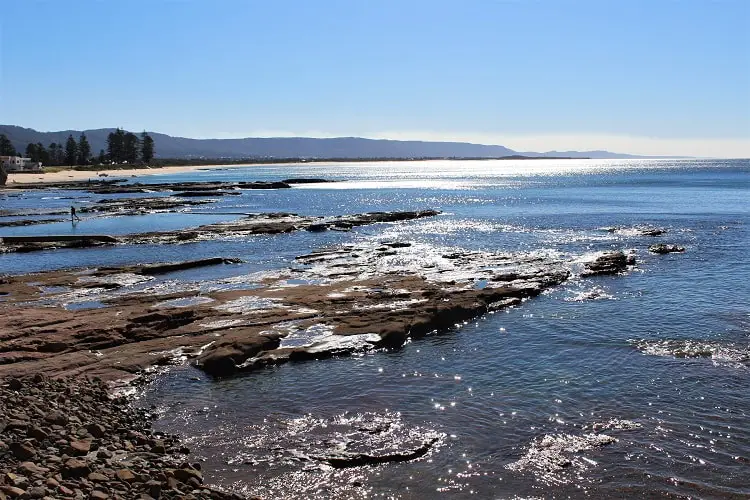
{"x":635,"y":76}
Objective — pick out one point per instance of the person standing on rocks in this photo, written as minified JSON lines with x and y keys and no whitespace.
{"x":73,"y":216}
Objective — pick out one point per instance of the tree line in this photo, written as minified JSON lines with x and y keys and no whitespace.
{"x":122,"y":147}
{"x":126,"y":147}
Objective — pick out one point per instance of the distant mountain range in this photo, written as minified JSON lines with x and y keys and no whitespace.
{"x":292,"y":147}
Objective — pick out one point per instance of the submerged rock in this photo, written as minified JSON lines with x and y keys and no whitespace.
{"x":342,"y":460}
{"x":662,"y":248}
{"x":636,"y":231}
{"x":553,"y":453}
{"x":343,"y":441}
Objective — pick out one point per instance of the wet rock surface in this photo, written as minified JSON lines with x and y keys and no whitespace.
{"x":609,"y":263}
{"x":663,"y":248}
{"x":117,"y":322}
{"x":71,"y":439}
{"x":28,"y":222}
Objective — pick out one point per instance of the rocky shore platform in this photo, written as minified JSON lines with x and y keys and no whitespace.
{"x":118,"y":323}
{"x":71,"y":439}
{"x":250,"y":224}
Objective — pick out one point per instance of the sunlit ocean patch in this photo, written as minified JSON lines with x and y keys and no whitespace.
{"x":445,"y":226}
{"x":718,"y":352}
{"x":403,"y":183}
{"x":585,"y":292}
{"x":568,"y":236}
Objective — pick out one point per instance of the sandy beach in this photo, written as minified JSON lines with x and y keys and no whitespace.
{"x":82,"y":175}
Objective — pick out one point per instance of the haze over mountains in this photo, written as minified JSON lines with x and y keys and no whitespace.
{"x":292,"y":147}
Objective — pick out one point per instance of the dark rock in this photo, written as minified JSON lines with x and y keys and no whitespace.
{"x":14,"y":384}
{"x":30,"y":468}
{"x":360,"y":459}
{"x":36,"y":492}
{"x":20,"y":425}
{"x":75,"y":468}
{"x":12,"y":491}
{"x":56,"y":418}
{"x":66,"y":491}
{"x":79,"y":446}
{"x":608,"y":263}
{"x":196,"y":194}
{"x":186,"y":474}
{"x":22,"y":451}
{"x":96,"y":430}
{"x":232,"y":350}
{"x":155,"y":269}
{"x":154,"y":488}
{"x":317,"y":228}
{"x":651,"y":231}
{"x":662,"y":248}
{"x":125,"y":475}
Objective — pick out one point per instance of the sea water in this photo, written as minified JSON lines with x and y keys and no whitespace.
{"x":658,"y":359}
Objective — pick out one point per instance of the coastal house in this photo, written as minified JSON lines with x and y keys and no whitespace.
{"x":19,"y":164}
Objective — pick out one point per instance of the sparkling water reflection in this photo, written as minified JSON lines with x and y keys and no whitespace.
{"x":662,"y":352}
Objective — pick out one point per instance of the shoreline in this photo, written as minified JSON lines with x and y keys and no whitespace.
{"x":16,"y":179}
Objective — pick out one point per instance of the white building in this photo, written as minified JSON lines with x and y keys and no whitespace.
{"x":20,"y":164}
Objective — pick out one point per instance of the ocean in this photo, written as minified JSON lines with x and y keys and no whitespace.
{"x":656,"y":360}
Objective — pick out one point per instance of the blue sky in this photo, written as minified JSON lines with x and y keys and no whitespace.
{"x":650,"y":77}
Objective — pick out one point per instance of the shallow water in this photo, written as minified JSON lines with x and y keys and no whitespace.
{"x":665,"y":348}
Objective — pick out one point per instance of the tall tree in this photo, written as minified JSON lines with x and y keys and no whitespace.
{"x":147,"y":148}
{"x":84,"y":150}
{"x":130,"y":147}
{"x":115,"y":145}
{"x":102,"y":157}
{"x":31,"y":152}
{"x":6,"y":147}
{"x":43,"y":153}
{"x":71,"y":151}
{"x":53,"y":153}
